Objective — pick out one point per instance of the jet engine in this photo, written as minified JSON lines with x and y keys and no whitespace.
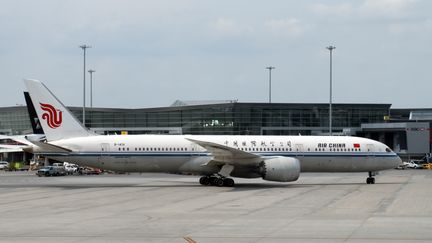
{"x":280,"y":169}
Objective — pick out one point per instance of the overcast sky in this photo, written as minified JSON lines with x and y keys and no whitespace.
{"x":151,"y":53}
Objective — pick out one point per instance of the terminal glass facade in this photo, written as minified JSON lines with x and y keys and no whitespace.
{"x":241,"y":118}
{"x":14,"y":121}
{"x":218,"y":119}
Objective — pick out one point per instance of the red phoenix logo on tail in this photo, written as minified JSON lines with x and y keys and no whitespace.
{"x":52,"y":115}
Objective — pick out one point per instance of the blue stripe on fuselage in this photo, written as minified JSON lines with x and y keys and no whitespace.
{"x":191,"y":154}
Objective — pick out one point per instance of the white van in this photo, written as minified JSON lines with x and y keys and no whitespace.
{"x":4,"y":165}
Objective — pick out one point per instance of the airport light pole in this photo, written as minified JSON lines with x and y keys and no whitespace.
{"x":91,"y":71}
{"x":331,"y":48}
{"x":84,"y":47}
{"x":270,"y":69}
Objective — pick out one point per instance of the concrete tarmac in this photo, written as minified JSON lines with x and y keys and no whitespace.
{"x":327,"y":207}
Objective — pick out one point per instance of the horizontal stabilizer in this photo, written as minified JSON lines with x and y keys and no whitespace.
{"x":11,"y":148}
{"x":42,"y":147}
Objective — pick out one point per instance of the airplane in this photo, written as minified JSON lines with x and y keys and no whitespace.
{"x":19,"y":143}
{"x":216,"y":158}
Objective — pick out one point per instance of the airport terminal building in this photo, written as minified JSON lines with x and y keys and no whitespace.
{"x":406,"y":131}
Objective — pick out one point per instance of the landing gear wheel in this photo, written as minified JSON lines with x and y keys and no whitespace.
{"x":229,"y":182}
{"x":370,"y":179}
{"x":205,"y":181}
{"x":213,"y":180}
{"x":219,"y":182}
{"x":216,"y":181}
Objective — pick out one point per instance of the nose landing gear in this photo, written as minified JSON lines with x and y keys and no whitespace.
{"x":371,"y":178}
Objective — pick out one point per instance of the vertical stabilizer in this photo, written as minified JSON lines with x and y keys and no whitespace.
{"x":56,"y":120}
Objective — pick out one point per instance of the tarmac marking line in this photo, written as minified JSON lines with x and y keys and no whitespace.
{"x":188,"y":239}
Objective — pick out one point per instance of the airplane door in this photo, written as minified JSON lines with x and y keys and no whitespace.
{"x":105,"y":149}
{"x":299,"y":150}
{"x":194,"y":148}
{"x":370,"y":150}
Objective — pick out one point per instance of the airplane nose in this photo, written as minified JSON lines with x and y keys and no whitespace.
{"x":397,"y":161}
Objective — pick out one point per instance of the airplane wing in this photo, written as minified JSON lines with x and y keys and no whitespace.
{"x":227,"y":155}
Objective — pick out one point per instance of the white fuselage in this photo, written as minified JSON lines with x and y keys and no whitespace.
{"x":176,"y":154}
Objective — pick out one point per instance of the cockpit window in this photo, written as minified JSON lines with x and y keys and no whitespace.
{"x":388,"y":150}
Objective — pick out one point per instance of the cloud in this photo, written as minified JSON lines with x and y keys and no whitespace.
{"x":231,"y":27}
{"x":411,"y":27}
{"x":344,"y":9}
{"x":291,"y":27}
{"x":389,"y":8}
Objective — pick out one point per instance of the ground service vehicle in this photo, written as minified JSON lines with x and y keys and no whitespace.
{"x":4,"y":165}
{"x":51,"y":171}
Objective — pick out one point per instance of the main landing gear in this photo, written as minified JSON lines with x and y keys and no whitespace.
{"x":371,"y":178}
{"x":220,"y":179}
{"x":216,"y":181}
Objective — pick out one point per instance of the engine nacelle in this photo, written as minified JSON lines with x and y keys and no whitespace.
{"x":280,"y":169}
